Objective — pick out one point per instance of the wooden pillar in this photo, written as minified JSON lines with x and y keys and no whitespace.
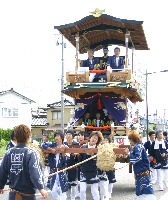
{"x":133,"y":50}
{"x":112,"y":133}
{"x":126,"y":44}
{"x":127,"y":128}
{"x":77,"y":50}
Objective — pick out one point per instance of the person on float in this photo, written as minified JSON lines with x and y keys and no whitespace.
{"x":72,"y":160}
{"x":98,"y":122}
{"x":85,"y":119}
{"x":115,"y":61}
{"x":159,"y":154}
{"x":148,"y":146}
{"x":89,"y":174}
{"x":22,"y":166}
{"x":110,"y":120}
{"x":57,"y":162}
{"x":141,"y":165}
{"x":91,"y":62}
{"x":111,"y":173}
{"x":104,"y":59}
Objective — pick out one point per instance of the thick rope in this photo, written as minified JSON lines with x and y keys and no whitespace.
{"x":73,"y":165}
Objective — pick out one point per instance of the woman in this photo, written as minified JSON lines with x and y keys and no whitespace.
{"x":88,"y":174}
{"x":141,"y":165}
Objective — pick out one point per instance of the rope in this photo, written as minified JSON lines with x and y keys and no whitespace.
{"x":73,"y":165}
{"x":122,"y":167}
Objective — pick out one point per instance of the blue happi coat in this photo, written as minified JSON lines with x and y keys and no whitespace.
{"x":89,"y":173}
{"x":23,"y":167}
{"x":73,"y":173}
{"x":113,"y":65}
{"x":11,"y":144}
{"x":140,"y":161}
{"x":61,"y":163}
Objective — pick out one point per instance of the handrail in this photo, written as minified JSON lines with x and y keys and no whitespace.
{"x":98,"y":71}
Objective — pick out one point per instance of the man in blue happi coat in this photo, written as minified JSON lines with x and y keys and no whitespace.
{"x":116,"y":61}
{"x":72,"y":160}
{"x":90,"y":62}
{"x":23,"y":167}
{"x":57,"y":162}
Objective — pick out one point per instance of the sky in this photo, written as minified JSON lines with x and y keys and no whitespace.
{"x":30,"y":61}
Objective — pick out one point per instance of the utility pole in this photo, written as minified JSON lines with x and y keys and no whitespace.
{"x":146,"y":104}
{"x":62,"y":87}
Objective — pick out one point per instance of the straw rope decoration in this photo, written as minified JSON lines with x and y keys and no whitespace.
{"x":43,"y":156}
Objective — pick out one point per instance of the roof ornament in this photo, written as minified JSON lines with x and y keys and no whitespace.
{"x":97,"y":12}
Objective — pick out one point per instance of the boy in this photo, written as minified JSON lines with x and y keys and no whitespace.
{"x":23,"y":166}
{"x":81,"y":138}
{"x":148,"y":146}
{"x":158,"y":152}
{"x":57,"y":162}
{"x":72,"y":160}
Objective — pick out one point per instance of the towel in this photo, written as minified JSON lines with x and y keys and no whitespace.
{"x":157,"y":142}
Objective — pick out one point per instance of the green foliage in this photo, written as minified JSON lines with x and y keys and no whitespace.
{"x":51,"y":137}
{"x":5,"y":134}
{"x":2,"y":151}
{"x":3,"y":143}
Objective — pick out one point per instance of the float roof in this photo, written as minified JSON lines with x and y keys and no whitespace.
{"x":97,"y":32}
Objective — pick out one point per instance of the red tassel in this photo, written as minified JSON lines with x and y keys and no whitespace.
{"x":99,"y":102}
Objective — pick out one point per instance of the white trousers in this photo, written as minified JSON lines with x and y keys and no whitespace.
{"x":54,"y":191}
{"x":103,"y":190}
{"x":160,"y":177}
{"x":94,"y":191}
{"x":44,"y":170}
{"x":110,"y":189}
{"x":147,"y":197}
{"x":73,"y":192}
{"x":153,"y":175}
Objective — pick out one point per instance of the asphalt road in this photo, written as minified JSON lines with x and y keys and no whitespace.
{"x":124,"y":188}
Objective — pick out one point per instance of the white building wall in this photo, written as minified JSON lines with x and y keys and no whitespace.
{"x":11,"y":100}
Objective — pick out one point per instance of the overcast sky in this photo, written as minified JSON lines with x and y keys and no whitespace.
{"x":30,"y":61}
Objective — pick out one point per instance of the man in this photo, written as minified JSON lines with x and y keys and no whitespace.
{"x":104,"y":59}
{"x":158,"y":152}
{"x":12,"y":142}
{"x":165,"y":137}
{"x":72,"y":160}
{"x":57,"y":162}
{"x":91,"y":61}
{"x":23,"y":167}
{"x":147,"y":146}
{"x":47,"y":166}
{"x":116,"y":62}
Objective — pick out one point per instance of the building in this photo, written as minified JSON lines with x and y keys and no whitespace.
{"x":47,"y":120}
{"x":15,"y":109}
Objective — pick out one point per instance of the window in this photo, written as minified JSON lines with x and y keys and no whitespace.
{"x":56,"y":115}
{"x":9,"y":112}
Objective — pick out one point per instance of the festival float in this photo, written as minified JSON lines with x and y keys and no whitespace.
{"x":112,"y":90}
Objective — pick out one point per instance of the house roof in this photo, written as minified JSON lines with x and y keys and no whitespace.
{"x":58,"y":104}
{"x":97,"y":32}
{"x":39,"y":121}
{"x":18,"y":94}
{"x":56,"y":127}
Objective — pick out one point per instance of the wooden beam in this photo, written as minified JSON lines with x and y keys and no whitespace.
{"x":83,"y":150}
